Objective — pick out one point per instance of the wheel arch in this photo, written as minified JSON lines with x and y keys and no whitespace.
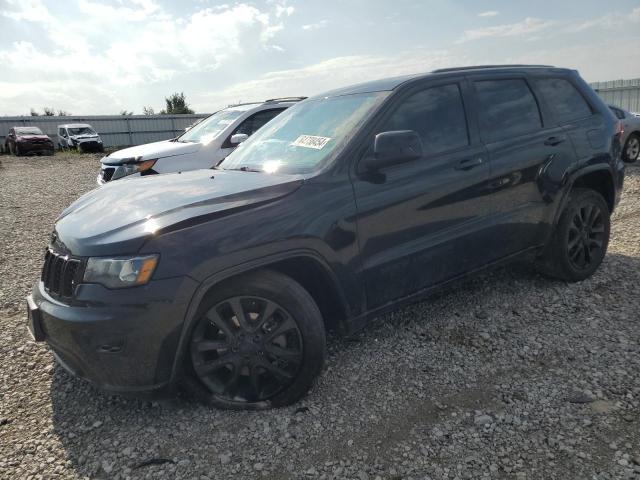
{"x":307,"y":268}
{"x":599,"y":179}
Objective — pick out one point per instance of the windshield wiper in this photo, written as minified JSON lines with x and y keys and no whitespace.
{"x":244,"y":169}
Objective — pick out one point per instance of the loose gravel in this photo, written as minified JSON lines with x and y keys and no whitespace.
{"x":508,"y":375}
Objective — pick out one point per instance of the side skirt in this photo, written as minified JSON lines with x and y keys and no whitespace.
{"x":356,"y":324}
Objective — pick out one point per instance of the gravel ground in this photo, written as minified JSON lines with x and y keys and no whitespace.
{"x":508,"y":375}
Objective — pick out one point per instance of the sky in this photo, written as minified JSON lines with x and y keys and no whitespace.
{"x":92,"y":57}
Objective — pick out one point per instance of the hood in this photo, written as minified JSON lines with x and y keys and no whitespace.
{"x":150,"y":151}
{"x":84,"y":137}
{"x":119,"y":217}
{"x":33,"y":137}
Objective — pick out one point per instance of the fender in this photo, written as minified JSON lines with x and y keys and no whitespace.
{"x":224,"y":274}
{"x":573,"y":177}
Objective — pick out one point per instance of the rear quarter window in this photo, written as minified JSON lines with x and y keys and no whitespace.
{"x":563,"y":100}
{"x":507,"y":108}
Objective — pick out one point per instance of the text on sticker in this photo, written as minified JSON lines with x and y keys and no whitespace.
{"x":311,"y":141}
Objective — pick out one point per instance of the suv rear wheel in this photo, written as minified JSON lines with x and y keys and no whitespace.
{"x":258,"y":342}
{"x":581,"y":238}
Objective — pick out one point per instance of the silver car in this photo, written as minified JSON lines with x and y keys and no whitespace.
{"x":631,"y":136}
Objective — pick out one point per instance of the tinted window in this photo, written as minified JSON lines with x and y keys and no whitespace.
{"x":563,"y":99}
{"x":437,"y":115}
{"x":507,"y":108}
{"x":254,"y":122}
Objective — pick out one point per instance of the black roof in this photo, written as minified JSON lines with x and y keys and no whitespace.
{"x":387,"y":84}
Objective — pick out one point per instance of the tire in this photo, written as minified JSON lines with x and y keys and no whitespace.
{"x":581,"y":237}
{"x":631,"y":150}
{"x":273,"y":361}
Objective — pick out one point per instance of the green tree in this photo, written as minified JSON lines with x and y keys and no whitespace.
{"x":48,"y":112}
{"x":176,"y":104}
{"x":125,"y":113}
{"x":148,"y":111}
{"x":63,"y":113}
{"x":34,"y":113}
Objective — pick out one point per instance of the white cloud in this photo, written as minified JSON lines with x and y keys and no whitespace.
{"x":489,"y":13}
{"x":611,"y":20}
{"x":527,"y":26}
{"x":328,"y":74}
{"x":134,"y":53}
{"x":315,"y":26}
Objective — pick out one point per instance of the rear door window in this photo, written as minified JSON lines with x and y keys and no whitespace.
{"x":564,"y":101}
{"x":437,"y":114}
{"x":257,"y":120}
{"x":507,"y":108}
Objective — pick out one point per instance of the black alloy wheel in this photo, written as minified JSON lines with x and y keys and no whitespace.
{"x":585,"y":241}
{"x":581,"y":237}
{"x":257,"y":341}
{"x":248,"y":349}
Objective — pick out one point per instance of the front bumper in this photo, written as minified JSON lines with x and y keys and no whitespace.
{"x":122,"y":340}
{"x":90,"y":146}
{"x":35,"y":148}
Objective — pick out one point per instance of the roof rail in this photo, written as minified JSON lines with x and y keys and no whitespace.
{"x":477,"y":67}
{"x":285,"y":99}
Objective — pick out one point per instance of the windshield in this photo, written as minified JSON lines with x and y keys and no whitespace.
{"x":305,"y":136}
{"x":28,"y":131}
{"x":211,"y":127}
{"x":81,"y":131}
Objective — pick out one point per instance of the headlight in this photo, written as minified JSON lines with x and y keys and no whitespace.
{"x":130,"y":168}
{"x":120,"y":272}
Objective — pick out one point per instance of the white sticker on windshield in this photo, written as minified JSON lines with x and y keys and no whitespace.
{"x":311,"y":141}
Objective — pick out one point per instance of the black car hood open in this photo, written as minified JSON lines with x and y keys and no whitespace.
{"x":119,"y":217}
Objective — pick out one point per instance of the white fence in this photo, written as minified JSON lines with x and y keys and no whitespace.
{"x":621,"y":93}
{"x":115,"y":130}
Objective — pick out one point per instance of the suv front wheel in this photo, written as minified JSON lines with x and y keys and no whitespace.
{"x":581,"y":238}
{"x":258,"y":342}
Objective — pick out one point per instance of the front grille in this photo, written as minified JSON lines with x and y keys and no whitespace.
{"x":60,"y":274}
{"x":107,"y":173}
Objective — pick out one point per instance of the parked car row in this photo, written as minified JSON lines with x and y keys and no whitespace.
{"x":32,"y":141}
{"x":341,"y":208}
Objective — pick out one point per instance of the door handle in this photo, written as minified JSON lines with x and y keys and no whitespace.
{"x":469,"y":163}
{"x":553,"y":141}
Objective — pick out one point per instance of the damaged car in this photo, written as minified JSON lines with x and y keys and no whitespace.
{"x":28,"y":141}
{"x":79,"y":136}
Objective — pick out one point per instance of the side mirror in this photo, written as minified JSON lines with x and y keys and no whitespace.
{"x":238,"y":138}
{"x":394,"y":148}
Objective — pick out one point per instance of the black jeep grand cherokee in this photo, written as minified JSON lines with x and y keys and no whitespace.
{"x":344,"y":206}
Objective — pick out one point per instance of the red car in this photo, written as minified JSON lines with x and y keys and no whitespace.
{"x":28,"y":141}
